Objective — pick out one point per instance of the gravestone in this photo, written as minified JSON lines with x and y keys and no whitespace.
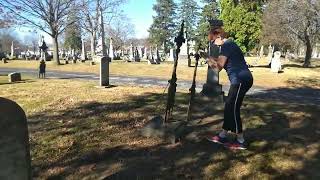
{"x":74,"y":56}
{"x":44,"y":49}
{"x":301,"y":52}
{"x":27,"y":55}
{"x":131,"y":55}
{"x":317,"y":49}
{"x":157,"y":57}
{"x":111,"y":52}
{"x":145,"y":54}
{"x":15,"y":161}
{"x":259,"y":56}
{"x":12,"y":50}
{"x":83,"y":51}
{"x":270,"y":53}
{"x":276,"y":62}
{"x":140,"y":51}
{"x":212,"y":88}
{"x":315,"y":53}
{"x":137,"y":55}
{"x":4,"y":60}
{"x":155,"y":54}
{"x":287,"y":56}
{"x":261,"y":53}
{"x":14,"y":77}
{"x":104,"y":60}
{"x":184,"y":51}
{"x":151,"y":61}
{"x":104,"y":71}
{"x":172,"y":55}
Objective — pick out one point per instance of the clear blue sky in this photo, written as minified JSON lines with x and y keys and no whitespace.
{"x":140,"y":13}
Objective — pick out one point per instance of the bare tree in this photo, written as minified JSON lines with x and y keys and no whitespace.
{"x":6,"y":19}
{"x":297,"y":19}
{"x":120,"y":31}
{"x":6,"y":39}
{"x":50,"y":16}
{"x":90,"y":16}
{"x":31,"y":41}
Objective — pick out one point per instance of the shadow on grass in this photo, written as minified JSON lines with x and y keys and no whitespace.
{"x":105,"y":133}
{"x":309,"y":83}
{"x":299,"y":66}
{"x":299,"y":95}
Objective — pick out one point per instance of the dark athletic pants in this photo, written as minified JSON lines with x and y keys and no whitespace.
{"x":232,"y":120}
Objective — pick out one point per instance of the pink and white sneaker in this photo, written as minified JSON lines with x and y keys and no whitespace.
{"x":217,"y":139}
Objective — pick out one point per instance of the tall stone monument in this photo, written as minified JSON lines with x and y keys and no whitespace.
{"x":140,"y":51}
{"x":145,"y":54}
{"x":39,"y":44}
{"x":172,"y":55}
{"x":261,"y":52}
{"x":157,"y":57}
{"x":136,"y":55}
{"x":104,"y":61}
{"x":315,"y":52}
{"x":43,"y":49}
{"x":73,"y":53}
{"x":83,"y":52}
{"x":12,"y":51}
{"x":131,"y":55}
{"x":270,"y":53}
{"x":111,"y":51}
{"x":212,"y":88}
{"x":155,"y":54}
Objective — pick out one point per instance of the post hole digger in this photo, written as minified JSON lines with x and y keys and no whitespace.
{"x":179,"y":40}
{"x":167,"y":128}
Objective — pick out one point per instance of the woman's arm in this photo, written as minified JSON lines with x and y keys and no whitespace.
{"x":217,"y":63}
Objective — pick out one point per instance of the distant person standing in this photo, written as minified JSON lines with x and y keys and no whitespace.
{"x":42,"y":69}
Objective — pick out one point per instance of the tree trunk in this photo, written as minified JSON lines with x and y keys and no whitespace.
{"x":307,"y":58}
{"x":93,"y":43}
{"x":55,"y":50}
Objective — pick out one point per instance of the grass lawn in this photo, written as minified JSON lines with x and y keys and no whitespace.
{"x":81,"y":132}
{"x":262,"y":76}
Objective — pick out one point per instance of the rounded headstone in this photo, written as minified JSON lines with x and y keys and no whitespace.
{"x":14,"y":77}
{"x":15,"y":162}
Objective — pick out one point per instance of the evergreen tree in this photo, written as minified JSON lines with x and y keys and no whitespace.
{"x":209,"y":11}
{"x":242,"y":21}
{"x":161,"y":32}
{"x":188,"y":11}
{"x":73,"y":33}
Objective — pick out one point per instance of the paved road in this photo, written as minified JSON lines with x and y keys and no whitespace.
{"x":115,"y":80}
{"x":301,"y":95}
